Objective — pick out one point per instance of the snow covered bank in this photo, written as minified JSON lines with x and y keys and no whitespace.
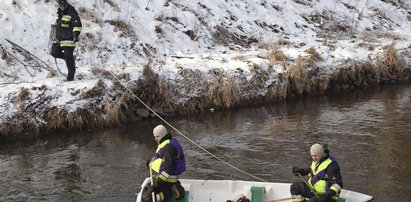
{"x":184,"y":57}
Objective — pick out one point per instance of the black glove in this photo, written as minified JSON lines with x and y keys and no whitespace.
{"x":157,"y":182}
{"x":75,"y":39}
{"x":330,"y":193}
{"x":297,"y":170}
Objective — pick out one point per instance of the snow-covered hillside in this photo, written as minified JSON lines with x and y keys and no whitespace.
{"x":188,"y":56}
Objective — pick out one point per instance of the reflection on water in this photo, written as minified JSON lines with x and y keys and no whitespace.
{"x":367,"y":131}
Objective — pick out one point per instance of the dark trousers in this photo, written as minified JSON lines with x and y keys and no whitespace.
{"x":168,"y":190}
{"x":67,"y":54}
{"x":300,"y":188}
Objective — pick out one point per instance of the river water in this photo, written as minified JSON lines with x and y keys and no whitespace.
{"x":368,"y":132}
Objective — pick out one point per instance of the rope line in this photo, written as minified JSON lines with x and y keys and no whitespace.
{"x":180,"y":133}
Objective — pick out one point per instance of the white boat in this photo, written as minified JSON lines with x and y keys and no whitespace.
{"x":223,"y":190}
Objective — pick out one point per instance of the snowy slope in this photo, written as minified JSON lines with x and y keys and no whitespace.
{"x":217,"y":41}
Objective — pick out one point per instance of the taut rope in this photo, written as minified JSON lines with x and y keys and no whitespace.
{"x":180,"y":133}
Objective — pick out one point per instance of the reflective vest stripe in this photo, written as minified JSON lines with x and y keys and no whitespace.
{"x":161,"y":196}
{"x":336,"y":188}
{"x":76,"y":29}
{"x":67,"y":44}
{"x":160,"y":146}
{"x":168,"y":175}
{"x":168,"y":178}
{"x":320,"y":186}
{"x":65,"y":25}
{"x":156,"y":164}
{"x":66,"y":18}
{"x":297,"y":198}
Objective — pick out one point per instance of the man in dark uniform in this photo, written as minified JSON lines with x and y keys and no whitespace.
{"x":68,"y":27}
{"x":168,"y":164}
{"x":325,"y":178}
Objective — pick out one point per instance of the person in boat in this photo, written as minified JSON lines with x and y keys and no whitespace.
{"x":68,"y":27}
{"x":324,"y":178}
{"x":168,"y":164}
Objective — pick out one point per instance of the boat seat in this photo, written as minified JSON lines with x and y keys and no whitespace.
{"x":257,"y":194}
{"x":185,"y":199}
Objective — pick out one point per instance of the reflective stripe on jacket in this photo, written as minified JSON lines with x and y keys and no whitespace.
{"x":68,"y":26}
{"x":67,"y":43}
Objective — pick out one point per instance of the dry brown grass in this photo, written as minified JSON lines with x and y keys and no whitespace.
{"x":389,"y":67}
{"x":4,"y":54}
{"x":297,"y":78}
{"x":96,"y":91}
{"x":115,"y":111}
{"x":222,"y":91}
{"x":192,"y":83}
{"x":89,"y":15}
{"x":101,"y":72}
{"x":374,"y":35}
{"x":61,"y":119}
{"x":378,"y":13}
{"x":10,"y":131}
{"x":313,"y":55}
{"x":194,"y":104}
{"x":125,"y":29}
{"x":278,"y":91}
{"x":304,"y":77}
{"x":269,"y":45}
{"x":391,"y":58}
{"x":216,"y":90}
{"x":275,"y":55}
{"x":55,"y":119}
{"x":249,"y":86}
{"x":239,"y":57}
{"x":112,"y":4}
{"x":21,"y":96}
{"x":155,"y":90}
{"x":352,"y":75}
{"x":222,"y":35}
{"x":388,"y":35}
{"x":109,"y":114}
{"x":88,"y":43}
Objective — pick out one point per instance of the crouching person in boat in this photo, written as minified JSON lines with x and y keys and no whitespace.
{"x":325,"y":180}
{"x":168,"y":163}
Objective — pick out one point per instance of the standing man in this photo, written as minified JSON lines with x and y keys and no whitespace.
{"x":324,"y":178}
{"x":68,"y":28}
{"x":168,"y":163}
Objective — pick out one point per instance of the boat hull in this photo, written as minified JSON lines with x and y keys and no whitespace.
{"x":223,"y":190}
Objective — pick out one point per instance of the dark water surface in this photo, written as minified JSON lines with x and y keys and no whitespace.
{"x":369,"y":132}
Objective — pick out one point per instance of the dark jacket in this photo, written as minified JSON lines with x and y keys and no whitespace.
{"x":68,"y":24}
{"x":170,"y":155}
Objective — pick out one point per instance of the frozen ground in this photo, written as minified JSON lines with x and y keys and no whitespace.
{"x":221,"y":44}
